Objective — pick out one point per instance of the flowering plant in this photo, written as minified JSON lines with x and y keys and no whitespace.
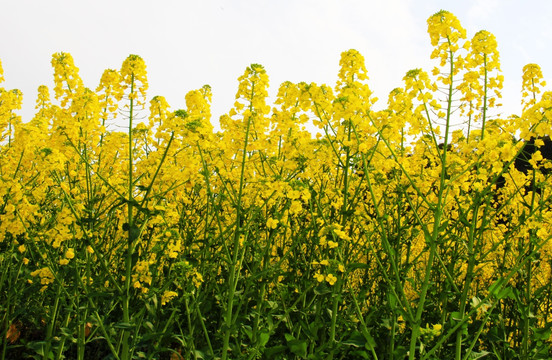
{"x":315,"y":227}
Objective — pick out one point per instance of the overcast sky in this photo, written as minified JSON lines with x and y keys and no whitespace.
{"x":187,"y":44}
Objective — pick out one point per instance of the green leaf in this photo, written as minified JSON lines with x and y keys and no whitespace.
{"x":505,"y":293}
{"x":370,"y":341}
{"x":39,"y":347}
{"x":263,"y":338}
{"x":356,"y":340}
{"x":270,"y":352}
{"x":124,"y":326}
{"x":66,"y":332}
{"x":478,"y":355}
{"x":149,"y":325}
{"x":361,"y":354}
{"x":248,"y":331}
{"x":199,"y":354}
{"x":298,"y":347}
{"x":289,"y":337}
{"x":456,"y":316}
{"x":497,"y":291}
{"x":322,"y":289}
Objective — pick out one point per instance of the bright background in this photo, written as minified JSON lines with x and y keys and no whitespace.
{"x":187,"y":44}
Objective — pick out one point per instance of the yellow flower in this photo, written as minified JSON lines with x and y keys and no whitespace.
{"x":197,"y":279}
{"x":70,"y":253}
{"x":319,"y":277}
{"x":109,"y":93}
{"x":342,"y":235}
{"x":331,"y":279}
{"x":532,"y":84}
{"x":332,"y":244}
{"x":133,"y":75}
{"x":444,"y":25}
{"x":168,"y":296}
{"x":272,"y":223}
{"x":45,"y":274}
{"x":66,"y":77}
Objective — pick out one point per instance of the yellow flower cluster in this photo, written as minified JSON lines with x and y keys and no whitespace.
{"x":66,"y":77}
{"x":532,"y":84}
{"x":134,"y":78}
{"x":168,"y":296}
{"x":445,"y":32}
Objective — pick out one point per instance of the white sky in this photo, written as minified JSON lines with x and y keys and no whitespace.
{"x":189,"y":43}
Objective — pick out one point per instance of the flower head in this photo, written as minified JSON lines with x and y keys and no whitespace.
{"x":168,"y":296}
{"x":66,"y":77}
{"x":134,"y":76}
{"x":445,"y":31}
{"x":532,"y":84}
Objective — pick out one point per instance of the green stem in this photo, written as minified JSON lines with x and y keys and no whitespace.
{"x":528,"y":289}
{"x":484,"y":97}
{"x":438,"y":213}
{"x":234,"y":274}
{"x":204,"y":328}
{"x":125,"y":355}
{"x":468,"y":279}
{"x":51,"y":324}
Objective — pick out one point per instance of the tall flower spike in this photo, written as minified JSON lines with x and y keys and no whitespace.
{"x":532,"y":85}
{"x":253,"y":87}
{"x":1,"y":72}
{"x":133,"y":71}
{"x":484,"y":75}
{"x":352,"y":88}
{"x":43,"y":98}
{"x":252,"y":93}
{"x":484,"y":45}
{"x":351,"y":68}
{"x":66,"y":77}
{"x":400,"y":104}
{"x":43,"y":116}
{"x":109,"y":93}
{"x":353,"y":76}
{"x":159,"y":111}
{"x":198,"y":103}
{"x":419,"y":86}
{"x":159,"y":114}
{"x":445,"y":31}
{"x":85,"y":109}
{"x":9,"y":101}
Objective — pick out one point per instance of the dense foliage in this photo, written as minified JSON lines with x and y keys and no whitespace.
{"x":314,"y":228}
